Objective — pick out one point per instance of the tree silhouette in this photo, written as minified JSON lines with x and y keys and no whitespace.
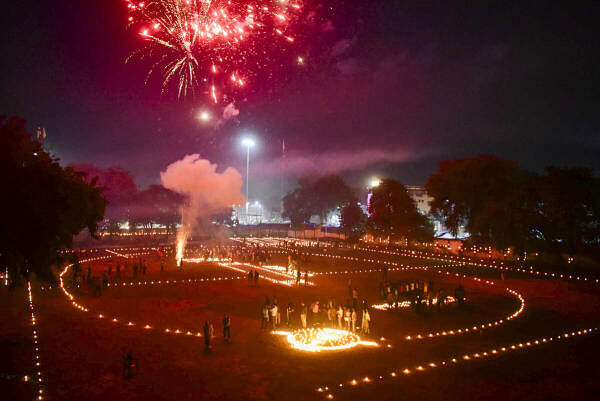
{"x":43,"y":205}
{"x":353,"y":222}
{"x":393,"y":214}
{"x":486,"y":195}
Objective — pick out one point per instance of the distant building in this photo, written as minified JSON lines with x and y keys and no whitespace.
{"x":423,"y":203}
{"x":421,"y":198}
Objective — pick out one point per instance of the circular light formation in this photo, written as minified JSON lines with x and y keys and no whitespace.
{"x":317,"y":340}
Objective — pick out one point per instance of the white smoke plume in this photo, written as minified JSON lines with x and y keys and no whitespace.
{"x":230,"y":111}
{"x":207,"y":192}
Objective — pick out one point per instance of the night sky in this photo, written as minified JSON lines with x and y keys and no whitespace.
{"x":389,"y":88}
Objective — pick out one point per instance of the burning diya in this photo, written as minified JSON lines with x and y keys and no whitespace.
{"x":317,"y":340}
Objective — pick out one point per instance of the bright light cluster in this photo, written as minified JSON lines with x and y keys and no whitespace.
{"x":36,"y":349}
{"x":407,"y":304}
{"x":317,"y":340}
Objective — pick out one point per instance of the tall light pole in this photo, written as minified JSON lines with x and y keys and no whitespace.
{"x":248,"y":142}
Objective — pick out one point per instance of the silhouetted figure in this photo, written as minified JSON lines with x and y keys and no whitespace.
{"x":128,"y":366}
{"x":459,"y":294}
{"x":208,"y":332}
{"x":226,"y":328}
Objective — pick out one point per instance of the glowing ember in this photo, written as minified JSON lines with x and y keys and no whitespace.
{"x":317,"y":340}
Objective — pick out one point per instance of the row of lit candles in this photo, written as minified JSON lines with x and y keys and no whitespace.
{"x":462,"y":260}
{"x":36,"y":348}
{"x":456,"y":359}
{"x":471,"y":261}
{"x":499,"y":265}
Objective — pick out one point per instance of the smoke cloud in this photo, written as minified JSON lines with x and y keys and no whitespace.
{"x":207,"y":191}
{"x":333,"y":162}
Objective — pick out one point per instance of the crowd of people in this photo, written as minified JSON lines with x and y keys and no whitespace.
{"x":418,"y":293}
{"x":349,"y":316}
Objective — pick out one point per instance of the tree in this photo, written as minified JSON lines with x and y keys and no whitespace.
{"x":316,"y":197}
{"x":43,"y":204}
{"x":567,"y":208}
{"x":393,"y":214}
{"x":158,"y":204}
{"x":327,"y":194}
{"x":354,"y":222}
{"x":118,"y":188}
{"x":486,"y":195}
{"x":296,"y":208}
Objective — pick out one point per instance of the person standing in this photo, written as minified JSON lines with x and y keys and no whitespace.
{"x":347,"y":318}
{"x":278,"y":316}
{"x":303,"y":313}
{"x":226,"y":328}
{"x":207,"y":334}
{"x":288,"y":313}
{"x":274,"y":310}
{"x":354,"y":317}
{"x":265,"y":316}
{"x":315,"y":321}
{"x":340,"y":317}
{"x":366,"y":319}
{"x":128,"y":365}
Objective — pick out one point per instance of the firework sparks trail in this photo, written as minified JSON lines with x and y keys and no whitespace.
{"x":193,"y":42}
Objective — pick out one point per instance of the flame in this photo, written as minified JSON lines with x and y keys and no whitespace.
{"x":179,"y":251}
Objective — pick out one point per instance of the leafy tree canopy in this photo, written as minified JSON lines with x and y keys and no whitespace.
{"x":393,"y":213}
{"x":316,"y":197}
{"x":43,"y":205}
{"x":353,"y":222}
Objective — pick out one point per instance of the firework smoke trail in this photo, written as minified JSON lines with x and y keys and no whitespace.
{"x":203,"y":41}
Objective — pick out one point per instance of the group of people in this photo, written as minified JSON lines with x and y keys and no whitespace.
{"x":209,"y":332}
{"x":253,"y":277}
{"x":348,"y":317}
{"x":418,"y":293}
{"x":251,"y":253}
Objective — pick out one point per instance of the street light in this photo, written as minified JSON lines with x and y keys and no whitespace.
{"x":204,"y":116}
{"x":375,"y":182}
{"x":248,"y":143}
